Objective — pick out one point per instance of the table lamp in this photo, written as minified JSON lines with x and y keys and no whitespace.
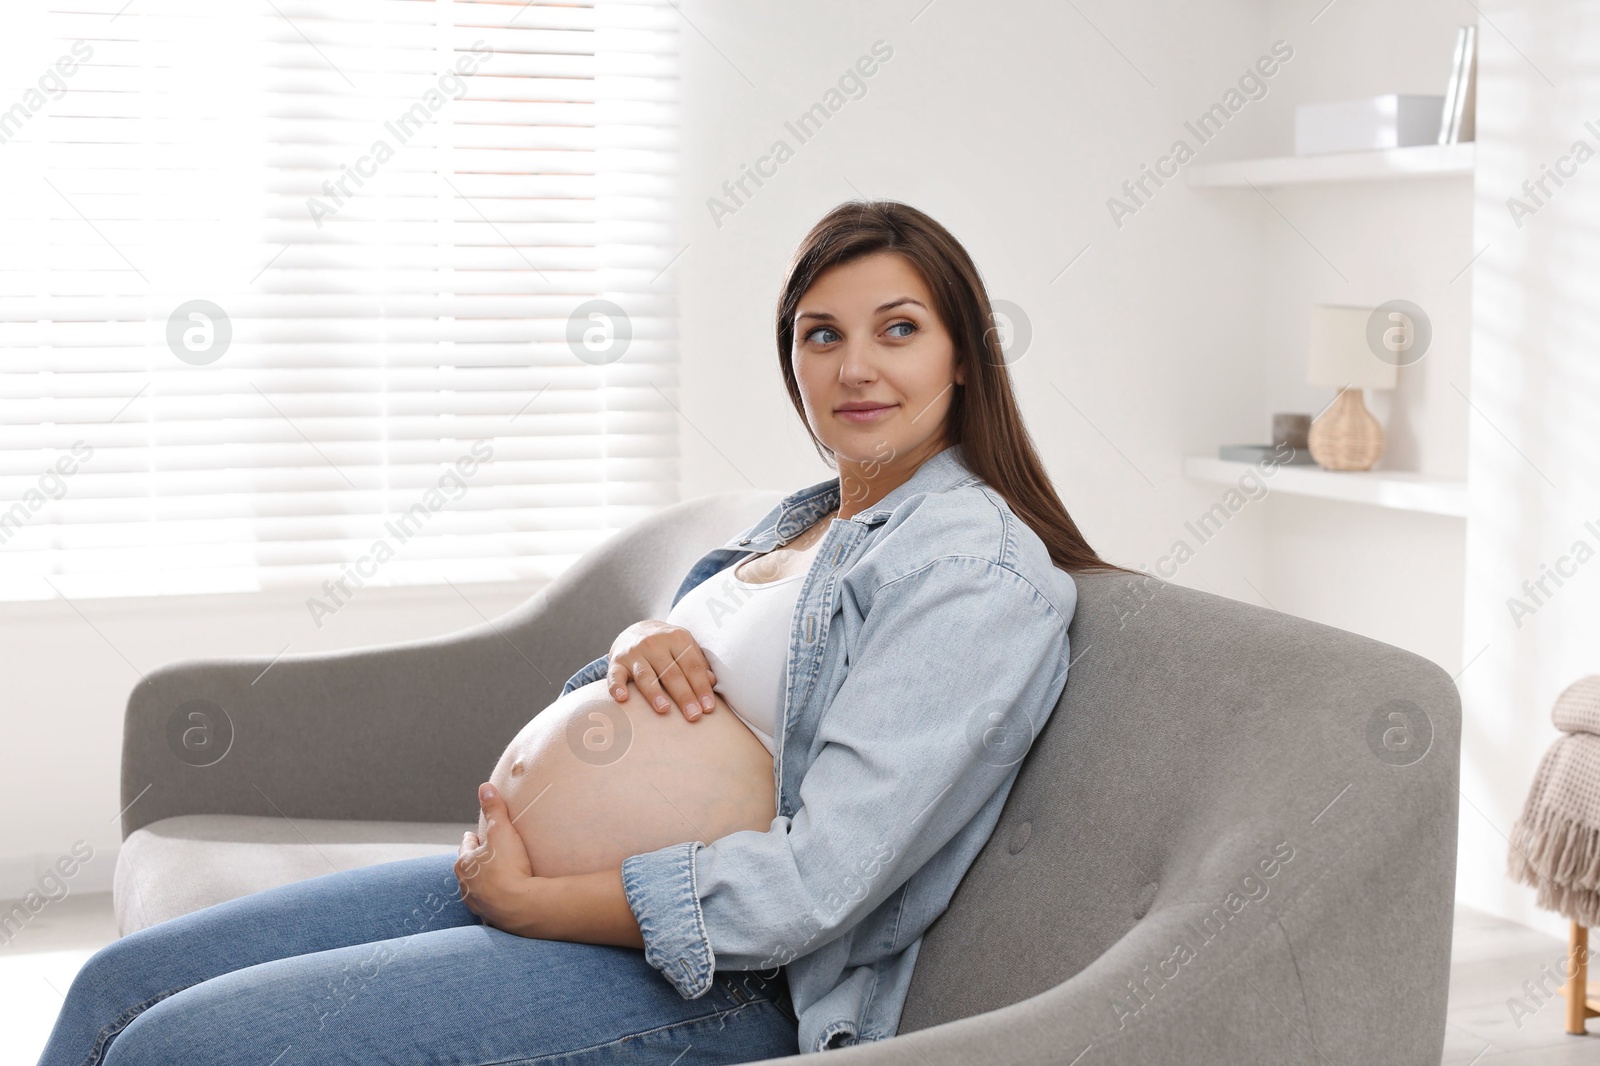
{"x":1346,"y":436}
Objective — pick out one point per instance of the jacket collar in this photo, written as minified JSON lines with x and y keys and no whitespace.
{"x":800,"y":510}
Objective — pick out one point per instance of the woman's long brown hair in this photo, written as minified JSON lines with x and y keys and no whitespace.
{"x":983,"y":418}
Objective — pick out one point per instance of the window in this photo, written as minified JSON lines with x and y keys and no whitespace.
{"x":303,"y":289}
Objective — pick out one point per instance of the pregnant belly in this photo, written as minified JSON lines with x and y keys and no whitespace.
{"x":590,"y":781}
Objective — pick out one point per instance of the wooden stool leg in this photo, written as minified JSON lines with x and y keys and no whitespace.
{"x":1577,"y":988}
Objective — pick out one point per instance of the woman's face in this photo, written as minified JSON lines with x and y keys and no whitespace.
{"x":876,"y":367}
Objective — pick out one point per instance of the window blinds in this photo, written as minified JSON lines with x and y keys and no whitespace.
{"x":298,"y":289}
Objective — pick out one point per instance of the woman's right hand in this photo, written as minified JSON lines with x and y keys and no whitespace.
{"x":668,"y":666}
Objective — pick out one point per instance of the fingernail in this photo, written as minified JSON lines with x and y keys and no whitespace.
{"x":487,"y":793}
{"x":619,"y":692}
{"x":661,"y":702}
{"x":707,"y":702}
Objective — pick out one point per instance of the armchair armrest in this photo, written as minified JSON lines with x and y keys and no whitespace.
{"x":1200,"y":1023}
{"x":1251,"y":985}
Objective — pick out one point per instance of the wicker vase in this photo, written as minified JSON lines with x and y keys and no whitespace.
{"x":1346,"y":437}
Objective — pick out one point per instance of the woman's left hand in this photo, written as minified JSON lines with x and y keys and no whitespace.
{"x":496,"y":875}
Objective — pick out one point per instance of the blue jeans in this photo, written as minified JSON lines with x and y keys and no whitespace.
{"x":385,"y":964}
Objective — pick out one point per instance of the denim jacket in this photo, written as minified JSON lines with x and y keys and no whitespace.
{"x":928,"y":650}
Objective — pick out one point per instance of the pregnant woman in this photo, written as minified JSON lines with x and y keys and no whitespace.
{"x":726,"y":838}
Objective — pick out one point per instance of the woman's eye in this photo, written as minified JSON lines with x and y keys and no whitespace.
{"x":812,"y":336}
{"x":910,"y":328}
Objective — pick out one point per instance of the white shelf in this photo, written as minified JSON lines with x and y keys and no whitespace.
{"x":1423,"y":161}
{"x":1380,"y":488}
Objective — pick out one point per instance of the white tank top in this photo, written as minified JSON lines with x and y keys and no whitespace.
{"x":744,"y":631}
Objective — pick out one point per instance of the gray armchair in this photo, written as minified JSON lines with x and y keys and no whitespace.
{"x":1234,"y":842}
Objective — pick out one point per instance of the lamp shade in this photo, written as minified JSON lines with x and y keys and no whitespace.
{"x":1339,"y":354}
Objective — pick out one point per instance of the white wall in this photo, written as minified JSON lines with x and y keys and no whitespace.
{"x":1180,"y":330}
{"x":1012,"y":124}
{"x":1534,"y":463}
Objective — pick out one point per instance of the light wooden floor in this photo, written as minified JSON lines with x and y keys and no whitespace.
{"x":1491,"y":960}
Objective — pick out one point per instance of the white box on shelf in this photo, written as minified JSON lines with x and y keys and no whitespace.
{"x":1395,"y":120}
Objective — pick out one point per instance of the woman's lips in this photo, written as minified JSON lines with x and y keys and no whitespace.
{"x":867,"y":415}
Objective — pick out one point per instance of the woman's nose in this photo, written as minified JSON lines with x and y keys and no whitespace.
{"x":856,"y":366}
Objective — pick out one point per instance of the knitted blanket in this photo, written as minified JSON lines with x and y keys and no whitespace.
{"x":1555,"y":845}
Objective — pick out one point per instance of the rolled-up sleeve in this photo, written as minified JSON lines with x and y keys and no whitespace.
{"x":954,"y":671}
